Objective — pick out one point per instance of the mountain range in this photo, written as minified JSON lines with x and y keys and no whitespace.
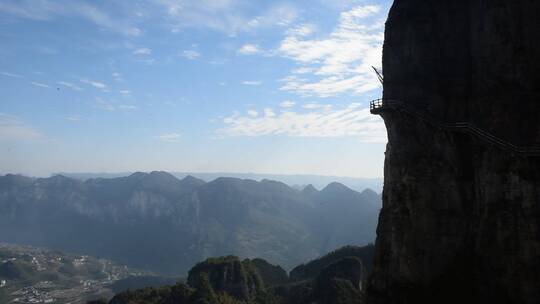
{"x":294,"y":180}
{"x":158,"y":222}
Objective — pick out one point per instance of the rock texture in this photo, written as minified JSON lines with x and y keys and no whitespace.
{"x":460,"y":218}
{"x":239,"y":279}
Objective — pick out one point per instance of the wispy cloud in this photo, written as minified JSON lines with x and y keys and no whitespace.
{"x":287,"y":104}
{"x":74,"y":118}
{"x":169,"y":137}
{"x":142,"y":51}
{"x":350,"y":121}
{"x":226,"y":16}
{"x":95,"y":84}
{"x":190,"y":54}
{"x":70,"y":85}
{"x":249,"y":49}
{"x":316,"y":106}
{"x":125,"y":93}
{"x":45,"y":10}
{"x":340,"y":62}
{"x":111,"y":106}
{"x":11,"y":75}
{"x":301,"y":30}
{"x":117,"y":76}
{"x":281,"y":14}
{"x":127,"y":107}
{"x":104,"y":104}
{"x":251,"y":82}
{"x":39,"y":84}
{"x":13,"y":128}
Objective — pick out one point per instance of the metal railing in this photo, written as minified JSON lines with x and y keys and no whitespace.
{"x":379,"y":105}
{"x":383,"y":103}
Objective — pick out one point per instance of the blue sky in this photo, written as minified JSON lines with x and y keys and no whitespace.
{"x":182,"y":85}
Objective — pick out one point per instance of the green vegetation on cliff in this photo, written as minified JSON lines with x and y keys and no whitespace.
{"x":312,"y":269}
{"x":336,"y":278}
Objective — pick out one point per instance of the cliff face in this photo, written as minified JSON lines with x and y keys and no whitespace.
{"x":460,"y":217}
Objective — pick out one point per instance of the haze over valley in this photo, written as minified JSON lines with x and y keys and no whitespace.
{"x":156,"y":222}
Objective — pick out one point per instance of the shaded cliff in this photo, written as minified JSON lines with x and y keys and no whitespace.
{"x":460,"y":218}
{"x":336,"y":278}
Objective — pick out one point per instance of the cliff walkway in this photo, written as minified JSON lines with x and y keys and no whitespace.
{"x":380,"y":105}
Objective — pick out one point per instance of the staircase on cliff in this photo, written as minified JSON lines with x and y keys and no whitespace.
{"x":379,"y":106}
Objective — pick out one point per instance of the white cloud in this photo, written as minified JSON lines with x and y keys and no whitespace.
{"x":190,"y":54}
{"x":359,"y":12}
{"x":287,"y":104}
{"x":45,"y":10}
{"x":39,"y":84}
{"x":269,"y":112}
{"x":316,"y":106}
{"x":340,"y":62}
{"x":142,"y":51}
{"x":125,"y":93}
{"x":95,"y":84}
{"x":70,"y":85}
{"x":226,"y":16}
{"x":253,"y":113}
{"x":303,"y":70}
{"x":282,"y":14}
{"x":249,"y":49}
{"x":11,"y":75}
{"x":301,"y":30}
{"x":350,"y":121}
{"x":170,"y":137}
{"x":13,"y":128}
{"x":251,"y":82}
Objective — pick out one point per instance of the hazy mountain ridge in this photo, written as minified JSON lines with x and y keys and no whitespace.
{"x":156,"y":221}
{"x":295,"y":181}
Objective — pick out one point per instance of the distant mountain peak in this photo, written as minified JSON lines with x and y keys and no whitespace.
{"x":369,"y":191}
{"x":16,"y":179}
{"x":192,"y":180}
{"x":226,"y":180}
{"x":336,"y":187}
{"x":154,"y":175}
{"x":162,"y":174}
{"x":275,"y":183}
{"x":309,"y":189}
{"x":58,"y":179}
{"x":137,"y":175}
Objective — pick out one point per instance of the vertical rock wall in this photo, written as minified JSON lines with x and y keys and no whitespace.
{"x":460,"y":218}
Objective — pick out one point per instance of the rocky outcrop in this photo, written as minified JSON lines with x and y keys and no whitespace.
{"x":461,"y":218}
{"x":340,"y":282}
{"x":336,"y":278}
{"x":239,"y":279}
{"x":271,"y":275}
{"x":313,"y":269}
